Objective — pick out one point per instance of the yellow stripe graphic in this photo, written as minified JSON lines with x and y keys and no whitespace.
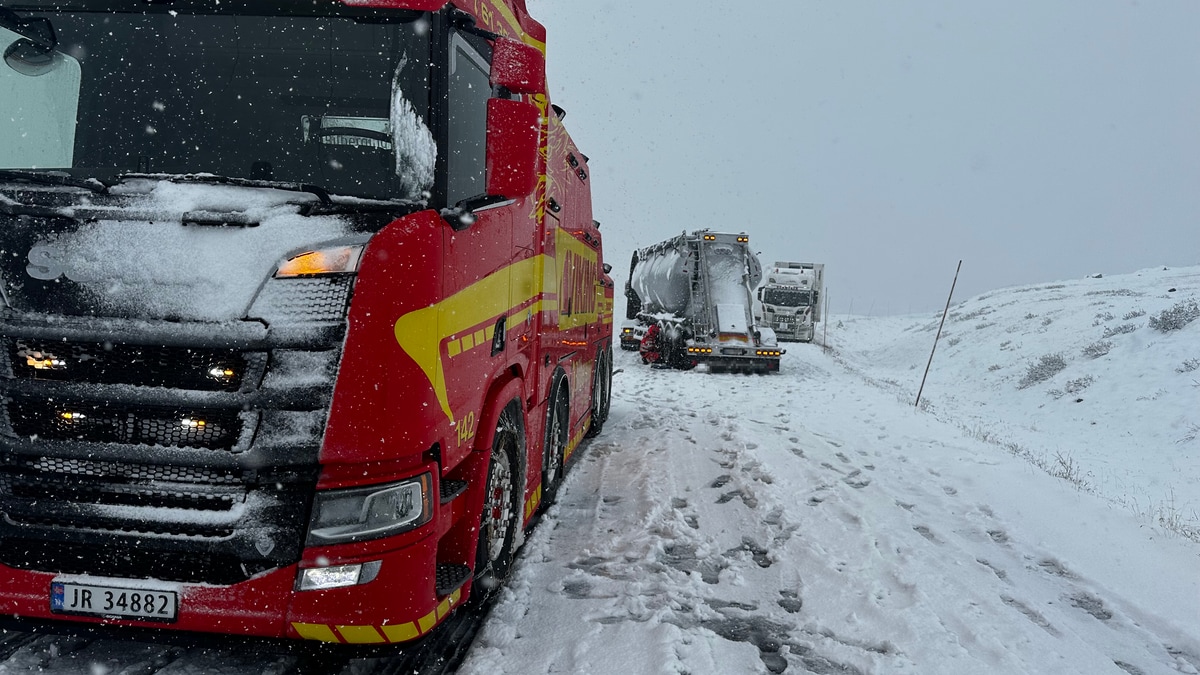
{"x":485,"y":300}
{"x":396,"y":632}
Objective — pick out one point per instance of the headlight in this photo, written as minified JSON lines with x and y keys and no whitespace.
{"x":358,"y":514}
{"x":333,"y":260}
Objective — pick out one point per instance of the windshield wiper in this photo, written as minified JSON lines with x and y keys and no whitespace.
{"x":54,"y":178}
{"x":213,"y":179}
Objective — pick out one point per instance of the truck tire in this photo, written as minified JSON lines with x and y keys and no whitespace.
{"x":502,"y":515}
{"x":601,"y":391}
{"x":558,"y":428}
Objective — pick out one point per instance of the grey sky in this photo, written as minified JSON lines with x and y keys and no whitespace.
{"x":1035,"y":140}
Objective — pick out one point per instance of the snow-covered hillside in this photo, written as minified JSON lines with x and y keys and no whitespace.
{"x":815,"y":521}
{"x":1073,"y":376}
{"x":1021,"y":521}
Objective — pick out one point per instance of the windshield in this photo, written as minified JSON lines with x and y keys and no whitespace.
{"x":787,"y":297}
{"x":154,"y":88}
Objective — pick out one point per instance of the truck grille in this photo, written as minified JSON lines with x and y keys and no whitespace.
{"x":131,"y":424}
{"x":72,"y":470}
{"x":74,"y":482}
{"x":317,"y":300}
{"x":178,"y":463}
{"x":139,"y":365}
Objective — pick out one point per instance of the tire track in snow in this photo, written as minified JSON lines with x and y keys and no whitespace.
{"x":680,"y":567}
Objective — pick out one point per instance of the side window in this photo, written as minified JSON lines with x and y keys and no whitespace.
{"x":469,"y":90}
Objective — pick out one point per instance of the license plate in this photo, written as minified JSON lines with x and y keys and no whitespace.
{"x":110,"y":601}
{"x":783,"y":326}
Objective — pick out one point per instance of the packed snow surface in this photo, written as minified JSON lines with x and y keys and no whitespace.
{"x":1033,"y":515}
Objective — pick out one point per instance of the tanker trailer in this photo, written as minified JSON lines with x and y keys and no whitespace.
{"x":698,"y":288}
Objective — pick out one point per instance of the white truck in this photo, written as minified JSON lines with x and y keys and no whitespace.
{"x":698,"y":288}
{"x":791,"y":299}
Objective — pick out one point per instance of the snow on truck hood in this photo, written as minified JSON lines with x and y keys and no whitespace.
{"x":144,"y":262}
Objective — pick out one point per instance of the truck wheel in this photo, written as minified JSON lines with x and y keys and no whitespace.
{"x":557,"y":428}
{"x":601,"y":391}
{"x":501,"y":517}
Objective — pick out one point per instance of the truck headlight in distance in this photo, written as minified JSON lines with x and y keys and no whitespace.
{"x":332,"y":260}
{"x":358,"y":514}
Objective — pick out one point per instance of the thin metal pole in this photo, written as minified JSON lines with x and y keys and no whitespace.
{"x":825,"y":324}
{"x":939,"y":334}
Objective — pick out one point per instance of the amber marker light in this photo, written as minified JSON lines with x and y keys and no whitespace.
{"x":333,"y":260}
{"x":50,"y":363}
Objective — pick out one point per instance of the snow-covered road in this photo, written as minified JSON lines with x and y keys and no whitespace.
{"x":815,"y":523}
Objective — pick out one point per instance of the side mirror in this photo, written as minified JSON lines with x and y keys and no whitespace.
{"x":518,"y":67}
{"x":31,"y":59}
{"x":512,"y":148}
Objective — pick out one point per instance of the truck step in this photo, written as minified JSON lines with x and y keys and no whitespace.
{"x":450,"y":578}
{"x":452,"y":488}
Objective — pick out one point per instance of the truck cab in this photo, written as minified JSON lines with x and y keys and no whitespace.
{"x":790,"y":299}
{"x":303,"y":311}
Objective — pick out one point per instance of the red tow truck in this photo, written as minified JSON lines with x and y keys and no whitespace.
{"x":304,"y":311}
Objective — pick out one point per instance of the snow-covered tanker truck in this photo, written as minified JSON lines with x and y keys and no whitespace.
{"x":302,"y":313}
{"x":791,"y":299}
{"x":698,"y":288}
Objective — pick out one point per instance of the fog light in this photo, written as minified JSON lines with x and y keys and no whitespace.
{"x":221,"y":373}
{"x":337,"y":576}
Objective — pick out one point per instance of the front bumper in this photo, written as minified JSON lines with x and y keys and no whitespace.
{"x":794,"y":332}
{"x":736,"y":358}
{"x":399,"y":605}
